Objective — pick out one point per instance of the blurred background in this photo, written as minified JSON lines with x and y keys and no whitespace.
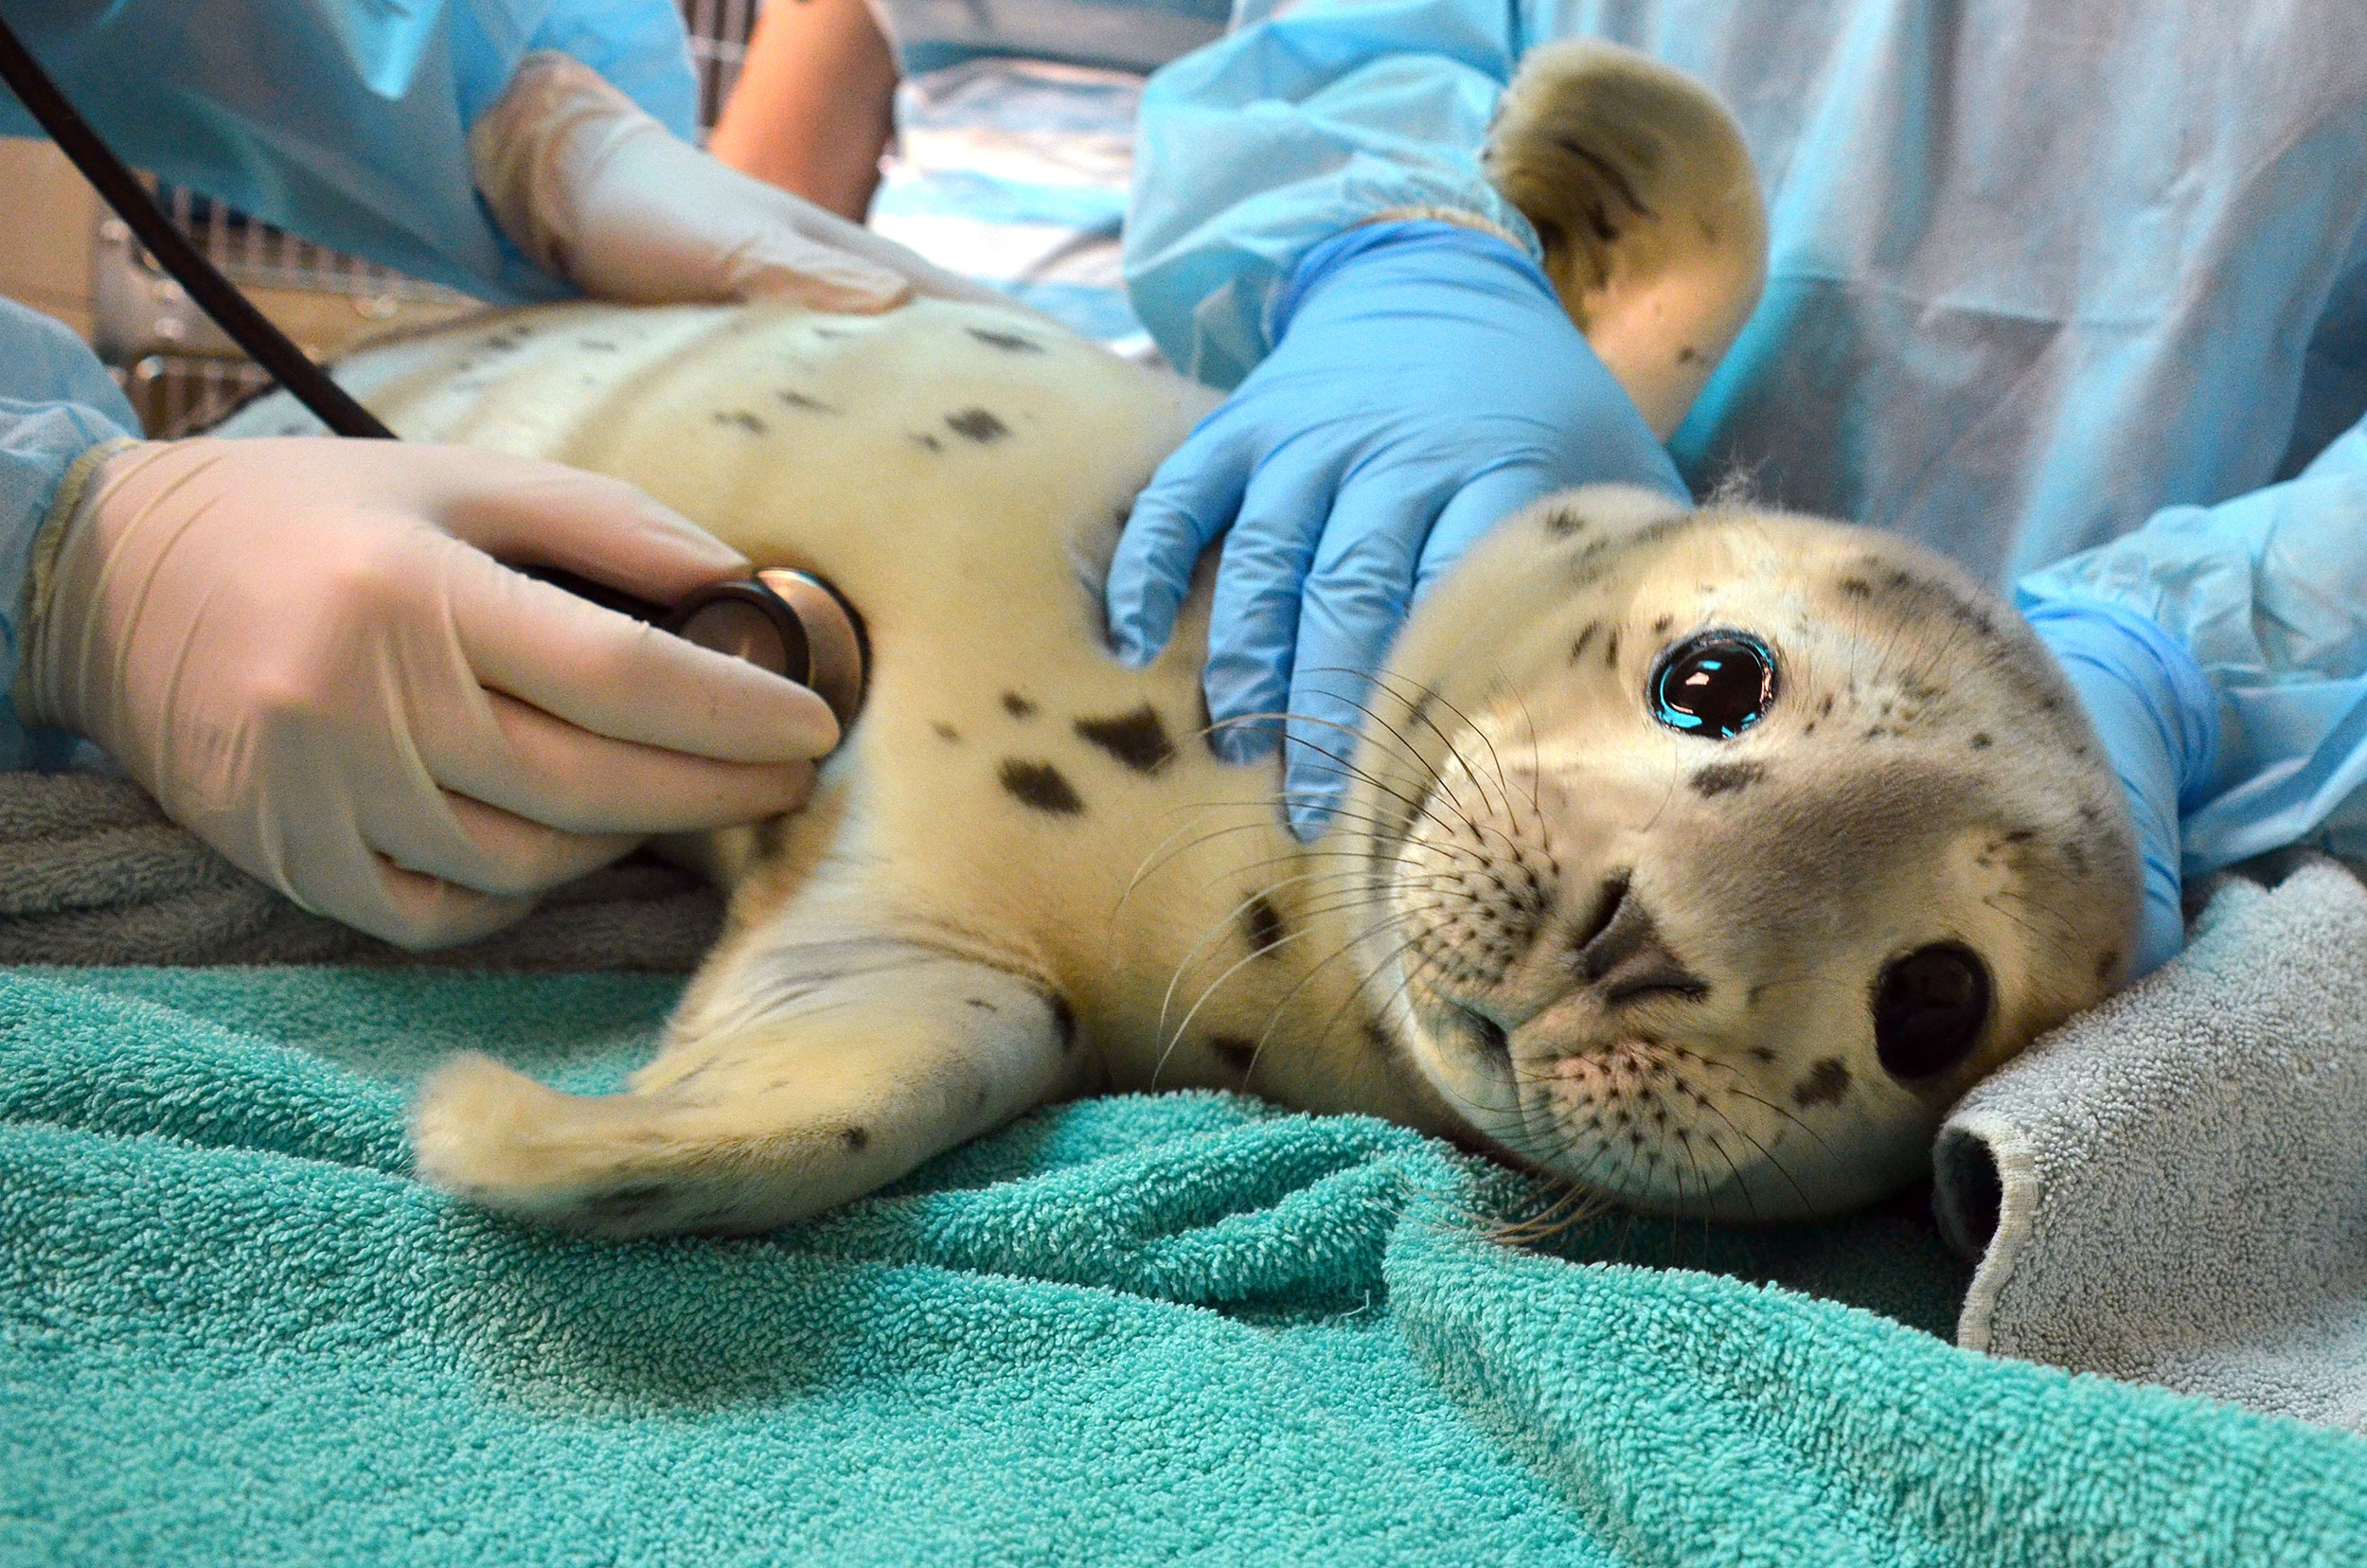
{"x":75,"y":259}
{"x":1009,"y":161}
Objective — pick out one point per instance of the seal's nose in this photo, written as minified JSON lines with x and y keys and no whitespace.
{"x":1625,"y":959}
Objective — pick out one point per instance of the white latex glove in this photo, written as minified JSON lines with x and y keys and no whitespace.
{"x":303,"y":651}
{"x":596,"y":190}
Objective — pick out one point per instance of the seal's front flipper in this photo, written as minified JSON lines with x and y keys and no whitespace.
{"x":821,"y":1072}
{"x":1638,"y":183}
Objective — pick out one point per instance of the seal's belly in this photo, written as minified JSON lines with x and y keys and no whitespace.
{"x":961,"y":473}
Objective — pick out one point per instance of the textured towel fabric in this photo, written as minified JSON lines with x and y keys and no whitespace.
{"x":2173,"y":1188}
{"x":94,"y":874}
{"x":1134,"y":1330}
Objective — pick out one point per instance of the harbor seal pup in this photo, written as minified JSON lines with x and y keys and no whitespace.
{"x":1697,"y":858}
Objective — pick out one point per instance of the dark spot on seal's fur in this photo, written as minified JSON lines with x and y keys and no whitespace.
{"x":980,"y":1002}
{"x":598,"y":345}
{"x":742,"y":418}
{"x":1826,"y":1082}
{"x":1262,"y":924}
{"x":1857,"y":587}
{"x":930,"y":442}
{"x":1063,"y":1020}
{"x":1980,"y":740}
{"x":1662,"y":624}
{"x":1762,"y":1053}
{"x":798,"y":400}
{"x":854,"y":1137}
{"x":1561,"y":522}
{"x":977,"y":424}
{"x":1605,"y":170}
{"x":2107,"y":961}
{"x":1010,"y":343}
{"x":1018,"y":706}
{"x":1687,"y":354}
{"x":1577,"y":648}
{"x":1726,"y":777}
{"x":1238,"y":1053}
{"x":1138,"y":740}
{"x":1042,"y":786}
{"x":946,"y":732}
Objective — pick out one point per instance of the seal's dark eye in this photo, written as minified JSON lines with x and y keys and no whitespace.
{"x":1716,"y":684}
{"x":1928,"y":1008}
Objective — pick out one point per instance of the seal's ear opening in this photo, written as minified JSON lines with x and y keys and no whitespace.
{"x":1967,"y":1194}
{"x":1639,"y":185}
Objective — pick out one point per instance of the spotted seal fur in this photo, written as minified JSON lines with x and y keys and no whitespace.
{"x":1698,"y":858}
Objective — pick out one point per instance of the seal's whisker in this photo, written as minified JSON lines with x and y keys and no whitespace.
{"x":1433,"y":694}
{"x":1407,"y":747}
{"x":1215,"y":927}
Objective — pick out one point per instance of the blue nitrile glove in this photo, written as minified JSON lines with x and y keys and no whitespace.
{"x":2159,"y":720}
{"x":1425,"y":383}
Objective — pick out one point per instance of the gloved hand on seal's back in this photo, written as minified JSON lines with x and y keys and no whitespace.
{"x":596,"y":190}
{"x":1426,"y":382}
{"x":303,"y":651}
{"x":2159,"y":720}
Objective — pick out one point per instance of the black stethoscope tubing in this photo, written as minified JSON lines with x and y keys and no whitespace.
{"x":799,"y":658}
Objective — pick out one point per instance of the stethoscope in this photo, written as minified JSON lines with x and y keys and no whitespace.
{"x":790,"y":622}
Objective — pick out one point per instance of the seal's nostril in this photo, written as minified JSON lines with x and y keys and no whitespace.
{"x":1606,"y":901}
{"x":1625,"y":955}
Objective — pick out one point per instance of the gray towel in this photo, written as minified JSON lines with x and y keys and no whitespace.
{"x":95,"y":875}
{"x":2172,"y":1188}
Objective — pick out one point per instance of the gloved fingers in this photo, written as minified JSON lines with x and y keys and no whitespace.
{"x":827,"y":230}
{"x":618,"y":677}
{"x":481,"y":849}
{"x":516,"y":758}
{"x":1475,"y":511}
{"x":330,"y":871}
{"x":1354,"y":602}
{"x":419,"y":911}
{"x":1255,"y":616}
{"x":523,"y":510}
{"x":594,"y":189}
{"x":787,"y":266}
{"x":1189,"y":501}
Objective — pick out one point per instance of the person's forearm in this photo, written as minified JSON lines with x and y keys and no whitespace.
{"x":815,"y":105}
{"x":353,"y":137}
{"x":2269,"y":592}
{"x":56,"y":404}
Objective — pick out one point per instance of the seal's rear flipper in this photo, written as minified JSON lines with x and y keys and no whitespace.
{"x":820,"y":1074}
{"x":1638,"y":183}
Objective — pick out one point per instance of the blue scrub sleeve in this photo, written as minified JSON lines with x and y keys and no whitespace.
{"x":2268,"y":593}
{"x":343,"y":121}
{"x":1253,"y":152}
{"x":56,"y":404}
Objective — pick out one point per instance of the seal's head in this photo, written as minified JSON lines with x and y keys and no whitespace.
{"x":1760,"y":842}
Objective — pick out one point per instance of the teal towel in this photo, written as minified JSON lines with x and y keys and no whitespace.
{"x":1130,"y":1331}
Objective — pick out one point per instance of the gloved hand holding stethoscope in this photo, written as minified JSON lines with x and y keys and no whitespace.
{"x":311,"y":653}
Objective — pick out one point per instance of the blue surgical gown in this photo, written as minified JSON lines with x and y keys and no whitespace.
{"x":345,"y":121}
{"x":2073,"y":291}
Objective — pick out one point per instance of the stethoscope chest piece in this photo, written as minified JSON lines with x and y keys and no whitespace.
{"x":787,"y":621}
